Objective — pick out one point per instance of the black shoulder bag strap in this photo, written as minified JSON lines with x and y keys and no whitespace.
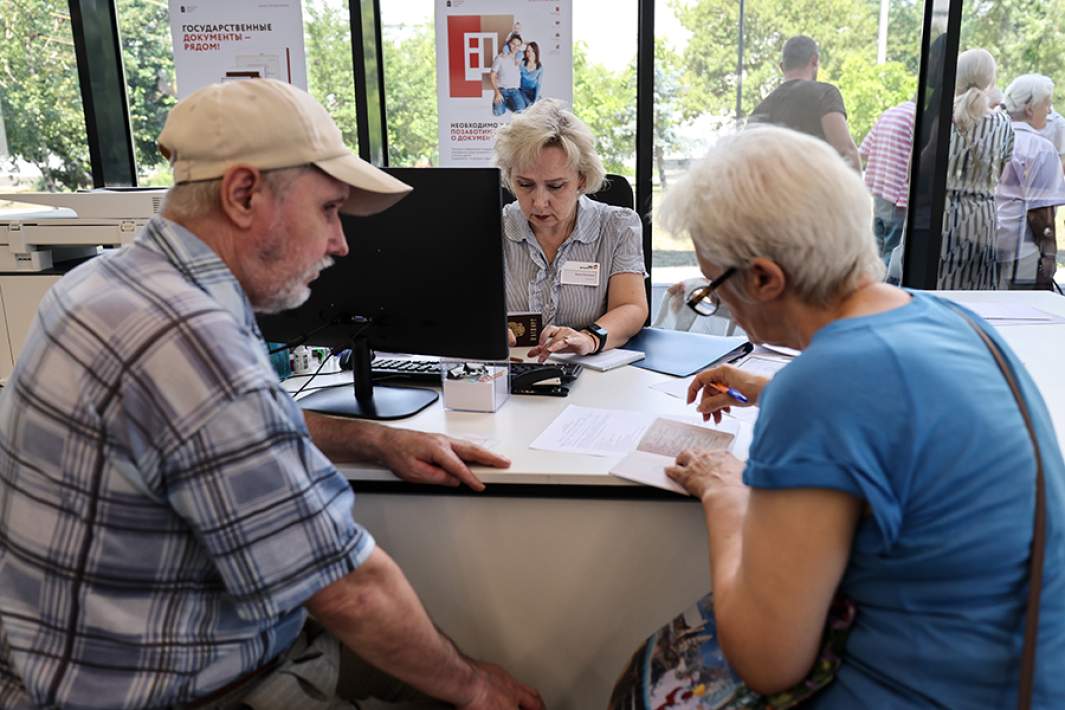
{"x":1035,"y":559}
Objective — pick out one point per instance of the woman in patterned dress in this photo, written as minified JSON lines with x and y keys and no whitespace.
{"x":981,"y":143}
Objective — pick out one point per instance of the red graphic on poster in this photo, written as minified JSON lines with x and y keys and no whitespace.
{"x":472,"y":43}
{"x":457,"y":28}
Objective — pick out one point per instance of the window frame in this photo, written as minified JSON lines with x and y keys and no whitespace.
{"x":107,"y":119}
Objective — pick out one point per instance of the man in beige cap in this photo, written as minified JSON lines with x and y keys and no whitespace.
{"x":168,"y":516}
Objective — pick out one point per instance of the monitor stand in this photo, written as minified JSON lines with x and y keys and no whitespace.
{"x":369,"y":401}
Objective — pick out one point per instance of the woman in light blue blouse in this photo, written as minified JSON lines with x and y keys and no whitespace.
{"x":532,"y":73}
{"x":576,"y":261}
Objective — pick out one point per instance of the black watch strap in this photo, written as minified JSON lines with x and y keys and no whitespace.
{"x":600,"y":336}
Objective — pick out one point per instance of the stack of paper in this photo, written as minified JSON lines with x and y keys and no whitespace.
{"x":1010,"y":313}
{"x":606,"y":360}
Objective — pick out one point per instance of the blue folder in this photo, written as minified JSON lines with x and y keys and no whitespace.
{"x":676,"y":352}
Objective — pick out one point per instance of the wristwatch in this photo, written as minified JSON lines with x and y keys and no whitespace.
{"x":600,"y":336}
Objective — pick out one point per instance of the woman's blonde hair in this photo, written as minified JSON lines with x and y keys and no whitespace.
{"x":774,"y":193}
{"x":544,"y":124}
{"x":975,"y":77}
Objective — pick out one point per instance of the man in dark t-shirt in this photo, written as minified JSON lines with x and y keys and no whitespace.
{"x":804,"y":104}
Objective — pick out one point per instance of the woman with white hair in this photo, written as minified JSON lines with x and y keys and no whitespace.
{"x":576,"y":261}
{"x":981,"y":142}
{"x":890,"y":469}
{"x":1031,"y":186}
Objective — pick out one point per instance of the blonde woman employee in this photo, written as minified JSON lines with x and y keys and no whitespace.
{"x":577,"y":262}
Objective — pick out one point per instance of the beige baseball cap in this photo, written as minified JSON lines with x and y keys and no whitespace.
{"x":268,"y":124}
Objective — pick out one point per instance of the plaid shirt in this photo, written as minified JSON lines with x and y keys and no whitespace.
{"x":163,"y":513}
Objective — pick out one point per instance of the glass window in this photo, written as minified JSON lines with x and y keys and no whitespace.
{"x":409,"y":49}
{"x":604,"y":79}
{"x":147,"y":54}
{"x":330,"y":73}
{"x":43,"y":144}
{"x":148,"y":59}
{"x":1025,"y":43}
{"x":869,"y":52}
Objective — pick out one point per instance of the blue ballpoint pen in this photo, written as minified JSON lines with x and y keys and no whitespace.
{"x":735,"y":394}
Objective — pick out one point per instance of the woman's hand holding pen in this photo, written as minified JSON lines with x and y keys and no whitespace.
{"x":723,"y":387}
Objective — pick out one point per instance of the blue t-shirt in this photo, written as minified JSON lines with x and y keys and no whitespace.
{"x":530,"y":81}
{"x":907,"y":411}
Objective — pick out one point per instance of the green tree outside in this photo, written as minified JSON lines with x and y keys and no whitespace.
{"x":669,"y":92}
{"x":845,"y":30}
{"x":45,"y":122}
{"x":330,"y":76}
{"x":148,"y":60}
{"x":606,"y":101}
{"x":1024,"y":37}
{"x":39,"y":93}
{"x":410,"y":98}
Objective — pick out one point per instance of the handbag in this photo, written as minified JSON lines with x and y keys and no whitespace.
{"x":1038,"y":548}
{"x":681,"y":665}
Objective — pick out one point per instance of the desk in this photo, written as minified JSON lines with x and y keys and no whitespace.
{"x":561,"y":584}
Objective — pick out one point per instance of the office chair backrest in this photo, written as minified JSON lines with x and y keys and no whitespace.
{"x":615,"y":191}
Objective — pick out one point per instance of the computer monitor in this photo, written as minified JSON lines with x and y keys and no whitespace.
{"x":425,"y":277}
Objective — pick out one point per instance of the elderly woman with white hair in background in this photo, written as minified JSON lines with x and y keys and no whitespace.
{"x":1032,"y":185}
{"x":576,"y":261}
{"x":889,"y":464}
{"x":981,"y":142}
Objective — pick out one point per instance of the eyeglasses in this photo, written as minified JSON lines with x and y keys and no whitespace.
{"x":705,"y":301}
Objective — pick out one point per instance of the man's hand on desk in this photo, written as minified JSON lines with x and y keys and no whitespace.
{"x":418,"y":457}
{"x":414,"y":456}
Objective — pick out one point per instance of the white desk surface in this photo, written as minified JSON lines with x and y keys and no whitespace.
{"x":561,"y":590}
{"x":522,"y":418}
{"x":512,"y":428}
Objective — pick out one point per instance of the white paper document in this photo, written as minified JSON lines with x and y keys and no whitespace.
{"x":599,"y":432}
{"x":676,"y":387}
{"x":603,"y":361}
{"x":663,"y":441}
{"x":1011,"y":313}
{"x":763,"y":366}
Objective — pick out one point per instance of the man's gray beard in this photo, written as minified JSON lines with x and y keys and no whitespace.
{"x":285,"y":300}
{"x":294,"y":294}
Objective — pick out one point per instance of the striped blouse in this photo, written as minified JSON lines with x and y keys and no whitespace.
{"x":609,"y":236}
{"x":976,"y":161}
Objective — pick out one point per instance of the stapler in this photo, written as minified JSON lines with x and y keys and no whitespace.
{"x":533,"y":382}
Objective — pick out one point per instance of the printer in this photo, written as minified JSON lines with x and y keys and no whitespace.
{"x":38,"y":247}
{"x":78,"y":225}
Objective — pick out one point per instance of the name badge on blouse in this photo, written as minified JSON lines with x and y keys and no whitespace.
{"x":580,"y":273}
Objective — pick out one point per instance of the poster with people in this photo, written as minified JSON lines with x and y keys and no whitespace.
{"x":495,"y":58}
{"x":237,"y":39}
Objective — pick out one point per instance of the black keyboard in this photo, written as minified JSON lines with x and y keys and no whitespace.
{"x":428,"y":371}
{"x":420,"y":371}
